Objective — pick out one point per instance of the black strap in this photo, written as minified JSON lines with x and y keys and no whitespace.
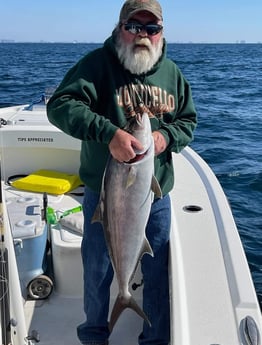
{"x":14,"y":177}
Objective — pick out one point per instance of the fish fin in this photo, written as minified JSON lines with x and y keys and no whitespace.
{"x":121,"y":304}
{"x":147,"y":248}
{"x":131,"y":176}
{"x":98,"y":214}
{"x":155,"y":187}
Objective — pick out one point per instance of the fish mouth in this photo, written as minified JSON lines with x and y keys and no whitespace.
{"x":138,"y":157}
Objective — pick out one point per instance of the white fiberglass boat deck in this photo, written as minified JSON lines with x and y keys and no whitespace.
{"x":213,"y":301}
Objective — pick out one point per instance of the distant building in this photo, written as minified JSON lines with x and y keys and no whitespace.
{"x":7,"y":41}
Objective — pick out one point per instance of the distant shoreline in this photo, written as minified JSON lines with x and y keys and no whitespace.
{"x":100,"y":43}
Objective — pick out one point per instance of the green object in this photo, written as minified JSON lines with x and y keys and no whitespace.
{"x":52,"y":216}
{"x":70,"y":211}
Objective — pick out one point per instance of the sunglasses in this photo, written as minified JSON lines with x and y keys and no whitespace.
{"x":136,"y":28}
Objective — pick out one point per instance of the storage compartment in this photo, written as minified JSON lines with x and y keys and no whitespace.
{"x":67,"y":262}
{"x":31,"y":245}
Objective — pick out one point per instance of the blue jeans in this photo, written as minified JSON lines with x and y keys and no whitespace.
{"x":98,"y":276}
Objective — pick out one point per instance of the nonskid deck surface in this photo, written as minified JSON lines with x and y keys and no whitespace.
{"x":56,"y":320}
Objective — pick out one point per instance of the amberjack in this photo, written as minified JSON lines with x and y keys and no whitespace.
{"x":127,"y":193}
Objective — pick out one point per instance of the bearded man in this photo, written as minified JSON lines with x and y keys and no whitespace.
{"x":130,"y":73}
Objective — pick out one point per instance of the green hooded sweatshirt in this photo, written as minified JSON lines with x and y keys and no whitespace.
{"x":90,"y":104}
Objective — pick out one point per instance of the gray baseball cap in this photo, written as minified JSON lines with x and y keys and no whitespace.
{"x":131,"y":7}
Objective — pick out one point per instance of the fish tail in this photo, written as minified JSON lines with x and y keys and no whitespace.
{"x":122,"y":303}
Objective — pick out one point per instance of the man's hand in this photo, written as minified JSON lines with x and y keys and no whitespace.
{"x":122,"y":146}
{"x":160,"y":142}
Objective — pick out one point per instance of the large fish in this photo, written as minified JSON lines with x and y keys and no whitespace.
{"x":125,"y":202}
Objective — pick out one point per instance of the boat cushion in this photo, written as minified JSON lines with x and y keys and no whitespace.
{"x":49,"y":181}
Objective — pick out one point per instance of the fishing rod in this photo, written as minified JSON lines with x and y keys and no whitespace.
{"x":4,"y":287}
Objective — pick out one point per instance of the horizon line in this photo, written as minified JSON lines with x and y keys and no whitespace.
{"x":6,"y":41}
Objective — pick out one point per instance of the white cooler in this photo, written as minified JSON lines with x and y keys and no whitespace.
{"x":67,"y":262}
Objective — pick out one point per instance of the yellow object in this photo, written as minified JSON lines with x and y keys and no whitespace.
{"x":52,"y":182}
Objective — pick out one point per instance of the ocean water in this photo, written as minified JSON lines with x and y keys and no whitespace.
{"x":226,"y":81}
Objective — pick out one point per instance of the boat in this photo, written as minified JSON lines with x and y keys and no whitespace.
{"x":212,"y":295}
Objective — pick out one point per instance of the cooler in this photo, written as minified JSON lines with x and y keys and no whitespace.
{"x":30,"y":241}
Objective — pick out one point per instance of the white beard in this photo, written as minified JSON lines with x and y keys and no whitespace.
{"x":138,"y":61}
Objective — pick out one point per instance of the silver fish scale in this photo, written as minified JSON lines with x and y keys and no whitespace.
{"x":126,"y":215}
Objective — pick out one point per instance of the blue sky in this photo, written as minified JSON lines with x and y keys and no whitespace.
{"x":92,"y":21}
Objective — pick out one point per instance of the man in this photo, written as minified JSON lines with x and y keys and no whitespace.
{"x":92,"y":102}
